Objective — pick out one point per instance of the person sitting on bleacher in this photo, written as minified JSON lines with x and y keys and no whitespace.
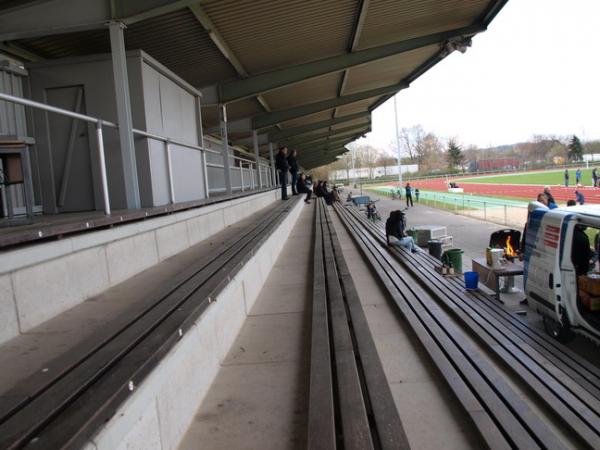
{"x":302,"y":188}
{"x":395,"y":233}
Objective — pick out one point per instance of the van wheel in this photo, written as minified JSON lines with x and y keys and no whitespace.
{"x":558,"y":330}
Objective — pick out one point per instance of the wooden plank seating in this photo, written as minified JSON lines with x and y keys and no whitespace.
{"x":83,"y":388}
{"x":350,"y":404}
{"x":550,"y":374}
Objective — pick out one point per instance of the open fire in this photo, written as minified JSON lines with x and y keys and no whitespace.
{"x":508,"y":240}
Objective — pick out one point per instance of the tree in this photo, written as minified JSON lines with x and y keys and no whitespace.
{"x":409,"y":139}
{"x":428,"y":152}
{"x":386,"y":161}
{"x":575,"y":149}
{"x":454,"y":155}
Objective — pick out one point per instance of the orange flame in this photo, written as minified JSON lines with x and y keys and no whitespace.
{"x":510,"y":251}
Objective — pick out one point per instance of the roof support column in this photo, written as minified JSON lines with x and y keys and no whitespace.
{"x":225,"y":147}
{"x":272,"y":158}
{"x":256,"y":156}
{"x":128,"y":161}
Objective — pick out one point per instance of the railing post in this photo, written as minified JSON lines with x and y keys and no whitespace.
{"x":484,"y":211}
{"x":102,"y":160}
{"x":242,"y":175}
{"x":205,"y":172}
{"x":256,"y":156}
{"x":170,"y":172}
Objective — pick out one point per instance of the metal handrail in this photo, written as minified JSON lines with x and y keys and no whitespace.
{"x":100,"y":123}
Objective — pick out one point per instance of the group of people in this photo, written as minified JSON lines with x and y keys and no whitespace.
{"x":546,"y":198}
{"x":578,"y":177}
{"x":301,"y":184}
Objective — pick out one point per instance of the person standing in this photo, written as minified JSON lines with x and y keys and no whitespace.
{"x":417,"y":193}
{"x":293,"y":165}
{"x":408,"y":194}
{"x":566,"y":177}
{"x":594,"y":177}
{"x":282,"y":167}
{"x":578,"y":176}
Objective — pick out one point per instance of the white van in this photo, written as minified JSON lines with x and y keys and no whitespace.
{"x":551,"y":282}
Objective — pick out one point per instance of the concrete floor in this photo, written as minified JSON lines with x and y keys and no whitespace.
{"x":259,"y":397}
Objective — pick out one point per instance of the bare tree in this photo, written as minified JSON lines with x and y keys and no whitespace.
{"x":409,"y":140}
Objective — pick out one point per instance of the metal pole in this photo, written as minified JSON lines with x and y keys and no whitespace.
{"x":272,"y":158}
{"x":242,"y":175}
{"x":257,"y":157}
{"x":398,"y":143}
{"x":119,"y":63}
{"x":225,"y":147}
{"x":170,"y":172}
{"x":200,"y":132}
{"x":102,"y":161}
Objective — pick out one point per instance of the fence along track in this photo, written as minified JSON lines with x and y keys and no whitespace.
{"x":565,"y":385}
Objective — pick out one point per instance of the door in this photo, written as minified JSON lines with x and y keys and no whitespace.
{"x":70,"y":151}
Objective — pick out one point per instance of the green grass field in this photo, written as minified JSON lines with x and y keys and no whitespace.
{"x":552,"y":177}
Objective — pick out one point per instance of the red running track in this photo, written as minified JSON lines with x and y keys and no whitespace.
{"x":526,"y":192}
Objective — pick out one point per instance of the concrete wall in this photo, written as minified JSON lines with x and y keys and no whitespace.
{"x":44,"y":280}
{"x":160,"y":410}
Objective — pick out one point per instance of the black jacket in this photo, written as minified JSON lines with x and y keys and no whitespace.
{"x":281,"y":162}
{"x":292,"y":163}
{"x":301,"y":186}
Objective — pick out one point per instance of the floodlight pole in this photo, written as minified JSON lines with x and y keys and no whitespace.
{"x":398,"y":142}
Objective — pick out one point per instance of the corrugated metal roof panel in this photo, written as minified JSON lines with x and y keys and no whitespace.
{"x":351,"y":123}
{"x":176,"y":40}
{"x":387,"y":71}
{"x":323,"y":115}
{"x":305,"y":92}
{"x":395,"y":20}
{"x":266,"y":34}
{"x":356,"y":107}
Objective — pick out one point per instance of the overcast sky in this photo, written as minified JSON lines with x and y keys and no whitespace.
{"x":536,"y":70}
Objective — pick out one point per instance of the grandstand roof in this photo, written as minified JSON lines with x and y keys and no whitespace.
{"x":295,"y":69}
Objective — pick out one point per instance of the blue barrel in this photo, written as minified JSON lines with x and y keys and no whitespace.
{"x":471,"y":280}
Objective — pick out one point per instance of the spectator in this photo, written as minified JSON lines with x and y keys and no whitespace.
{"x":581,"y":252}
{"x":302,"y":188}
{"x":543,"y":198}
{"x":317,"y":188}
{"x":550,"y":198}
{"x":578,"y":176}
{"x":566,"y":176}
{"x":293,"y":165}
{"x":579,"y":197}
{"x":399,"y":192}
{"x":417,"y":193}
{"x":594,"y":177}
{"x":326,"y":194}
{"x":282,"y":167}
{"x":571,"y":202}
{"x":408,"y":193}
{"x":395,"y":233}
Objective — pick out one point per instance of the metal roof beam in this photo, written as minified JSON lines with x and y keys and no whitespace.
{"x":251,"y":86}
{"x":275,"y":117}
{"x":357,"y":31}
{"x":328,"y":133}
{"x":330,"y":138}
{"x":327,"y":144}
{"x":303,"y":129}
